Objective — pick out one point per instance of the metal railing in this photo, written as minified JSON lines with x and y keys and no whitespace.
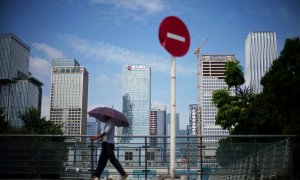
{"x":147,"y":157}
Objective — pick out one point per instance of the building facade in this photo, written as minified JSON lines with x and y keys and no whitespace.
{"x":260,"y":52}
{"x":137,"y":100}
{"x":158,"y":126}
{"x":69,"y":96}
{"x":212,"y":78}
{"x":19,"y":90}
{"x":193,"y":142}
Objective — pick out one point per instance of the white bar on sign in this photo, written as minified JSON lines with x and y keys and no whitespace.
{"x":176,"y":37}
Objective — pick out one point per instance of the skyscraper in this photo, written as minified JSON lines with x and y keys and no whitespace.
{"x":137,"y":100}
{"x":19,"y":90}
{"x":260,"y":52}
{"x":212,"y":78}
{"x":158,"y":126}
{"x":69,"y":93}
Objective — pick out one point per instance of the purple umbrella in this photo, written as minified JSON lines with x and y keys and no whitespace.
{"x":117,"y":117}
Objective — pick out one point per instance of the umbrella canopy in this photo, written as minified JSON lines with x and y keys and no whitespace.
{"x":117,"y":117}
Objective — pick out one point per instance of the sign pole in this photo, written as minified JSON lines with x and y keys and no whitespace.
{"x":175,"y":38}
{"x":173,"y":118}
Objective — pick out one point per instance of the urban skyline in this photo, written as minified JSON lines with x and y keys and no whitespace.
{"x":105,"y":35}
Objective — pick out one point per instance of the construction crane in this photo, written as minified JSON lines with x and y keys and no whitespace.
{"x":198,"y":59}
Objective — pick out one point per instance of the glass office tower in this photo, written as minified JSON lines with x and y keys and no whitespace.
{"x":260,"y":52}
{"x":14,"y":55}
{"x":137,"y":101}
{"x":69,"y":93}
{"x":19,"y":90}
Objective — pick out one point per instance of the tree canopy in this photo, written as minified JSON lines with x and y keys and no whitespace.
{"x":275,"y":107}
{"x":33,"y":124}
{"x":234,"y":76}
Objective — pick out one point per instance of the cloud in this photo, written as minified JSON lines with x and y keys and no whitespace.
{"x":51,"y":52}
{"x":118,"y":55}
{"x":103,"y":78}
{"x":39,"y":66}
{"x":146,"y":6}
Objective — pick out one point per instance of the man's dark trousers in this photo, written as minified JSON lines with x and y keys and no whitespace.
{"x":107,"y":152}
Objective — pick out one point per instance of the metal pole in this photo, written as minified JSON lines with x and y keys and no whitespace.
{"x":201,"y":158}
{"x":146,"y":159}
{"x":173,"y":118}
{"x":92,"y":158}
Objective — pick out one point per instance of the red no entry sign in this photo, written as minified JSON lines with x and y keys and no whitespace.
{"x":174,"y":36}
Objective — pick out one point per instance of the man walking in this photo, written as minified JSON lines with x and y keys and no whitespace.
{"x":107,"y":151}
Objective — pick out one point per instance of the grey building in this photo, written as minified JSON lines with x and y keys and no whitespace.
{"x":19,"y":90}
{"x":69,"y":96}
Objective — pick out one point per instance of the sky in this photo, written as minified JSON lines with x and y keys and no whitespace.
{"x":105,"y":35}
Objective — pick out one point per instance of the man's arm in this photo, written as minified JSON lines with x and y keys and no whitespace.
{"x":93,"y":138}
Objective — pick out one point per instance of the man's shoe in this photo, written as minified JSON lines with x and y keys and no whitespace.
{"x":95,"y":178}
{"x":125,"y":176}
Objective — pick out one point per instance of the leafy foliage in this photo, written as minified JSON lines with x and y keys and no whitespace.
{"x":234,"y":76}
{"x":4,"y":125}
{"x":30,"y":155}
{"x":273,"y":111}
{"x":281,"y":89}
{"x":33,"y":124}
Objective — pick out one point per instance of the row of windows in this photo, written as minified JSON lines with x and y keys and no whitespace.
{"x":67,"y":70}
{"x":129,"y":156}
{"x":65,"y":109}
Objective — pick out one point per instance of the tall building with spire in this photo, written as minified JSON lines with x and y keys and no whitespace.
{"x":69,"y":96}
{"x":137,"y":101}
{"x":19,"y":90}
{"x":260,"y":52}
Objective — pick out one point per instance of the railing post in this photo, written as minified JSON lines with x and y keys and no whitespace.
{"x":38,"y":152}
{"x":255,"y":160}
{"x":146,"y":160}
{"x":92,"y":158}
{"x":201,"y":163}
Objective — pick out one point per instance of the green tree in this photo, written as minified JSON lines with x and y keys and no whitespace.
{"x":4,"y":125}
{"x":34,"y":124}
{"x":275,"y":110}
{"x":234,"y":76}
{"x":34,"y":154}
{"x":232,"y":110}
{"x":281,"y":87}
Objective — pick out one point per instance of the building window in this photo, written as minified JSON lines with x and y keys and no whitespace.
{"x":128,"y":156}
{"x":150,"y":156}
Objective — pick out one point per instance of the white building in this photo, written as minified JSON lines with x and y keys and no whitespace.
{"x":212,"y":78}
{"x":69,"y":93}
{"x":260,"y":52}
